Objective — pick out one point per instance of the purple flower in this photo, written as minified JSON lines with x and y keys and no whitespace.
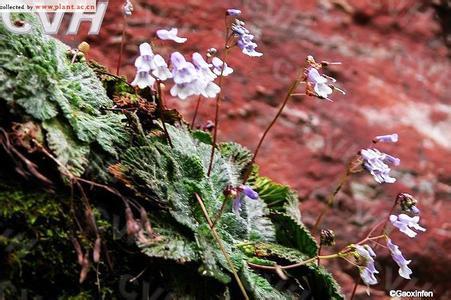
{"x":404,"y":270}
{"x":405,"y":224}
{"x":233,"y":12}
{"x":217,"y":67}
{"x":368,"y":271}
{"x":317,"y":84}
{"x":376,"y":163}
{"x":143,"y":78}
{"x":243,"y":191}
{"x":391,"y":160}
{"x":245,"y":39}
{"x":171,"y":34}
{"x":391,"y":138}
{"x":320,"y":86}
{"x":415,"y":210}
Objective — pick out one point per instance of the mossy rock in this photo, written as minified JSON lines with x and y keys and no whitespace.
{"x":58,"y":127}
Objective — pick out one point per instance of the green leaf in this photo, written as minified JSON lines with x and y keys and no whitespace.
{"x":236,"y":154}
{"x":292,"y":233}
{"x":169,"y":244}
{"x":259,"y":227}
{"x":285,"y":214}
{"x":259,"y":286}
{"x":202,"y":136}
{"x":68,"y":150}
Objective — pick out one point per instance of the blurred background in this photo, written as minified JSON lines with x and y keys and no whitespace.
{"x":396,"y":70}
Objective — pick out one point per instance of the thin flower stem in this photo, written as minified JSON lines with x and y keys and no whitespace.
{"x":221,"y":246}
{"x":121,"y":51}
{"x":218,"y":105}
{"x":331,"y":200}
{"x":294,"y":265}
{"x":379,"y":244}
{"x":389,"y":214}
{"x":368,"y":238}
{"x":292,"y":88}
{"x":357,"y":281}
{"x":371,"y":239}
{"x":374,"y":229}
{"x":196,"y":111}
{"x":351,"y":262}
{"x":319,"y":253}
{"x":220,"y":212}
{"x":161,"y":109}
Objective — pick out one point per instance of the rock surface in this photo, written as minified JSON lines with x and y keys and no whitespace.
{"x":395,"y":71}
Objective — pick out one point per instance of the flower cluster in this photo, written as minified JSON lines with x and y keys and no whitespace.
{"x":148,"y":67}
{"x":318,"y":85}
{"x":406,"y":225}
{"x":190,"y":78}
{"x":377,"y":163}
{"x":245,"y":39}
{"x":195,"y":78}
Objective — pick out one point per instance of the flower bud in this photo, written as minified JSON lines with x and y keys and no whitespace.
{"x":327,"y":237}
{"x":212,"y":52}
{"x":84,"y":47}
{"x":230,"y":192}
{"x":407,"y":202}
{"x":209,"y":126}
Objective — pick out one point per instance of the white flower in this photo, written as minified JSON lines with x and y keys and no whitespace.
{"x":160,"y":68}
{"x":405,"y":224}
{"x":145,"y":56}
{"x":171,"y":34}
{"x":143,"y":78}
{"x":217,"y":67}
{"x":210,"y":90}
{"x":392,"y":138}
{"x":203,"y":67}
{"x":183,"y":90}
{"x":183,"y":71}
{"x":320,"y":86}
